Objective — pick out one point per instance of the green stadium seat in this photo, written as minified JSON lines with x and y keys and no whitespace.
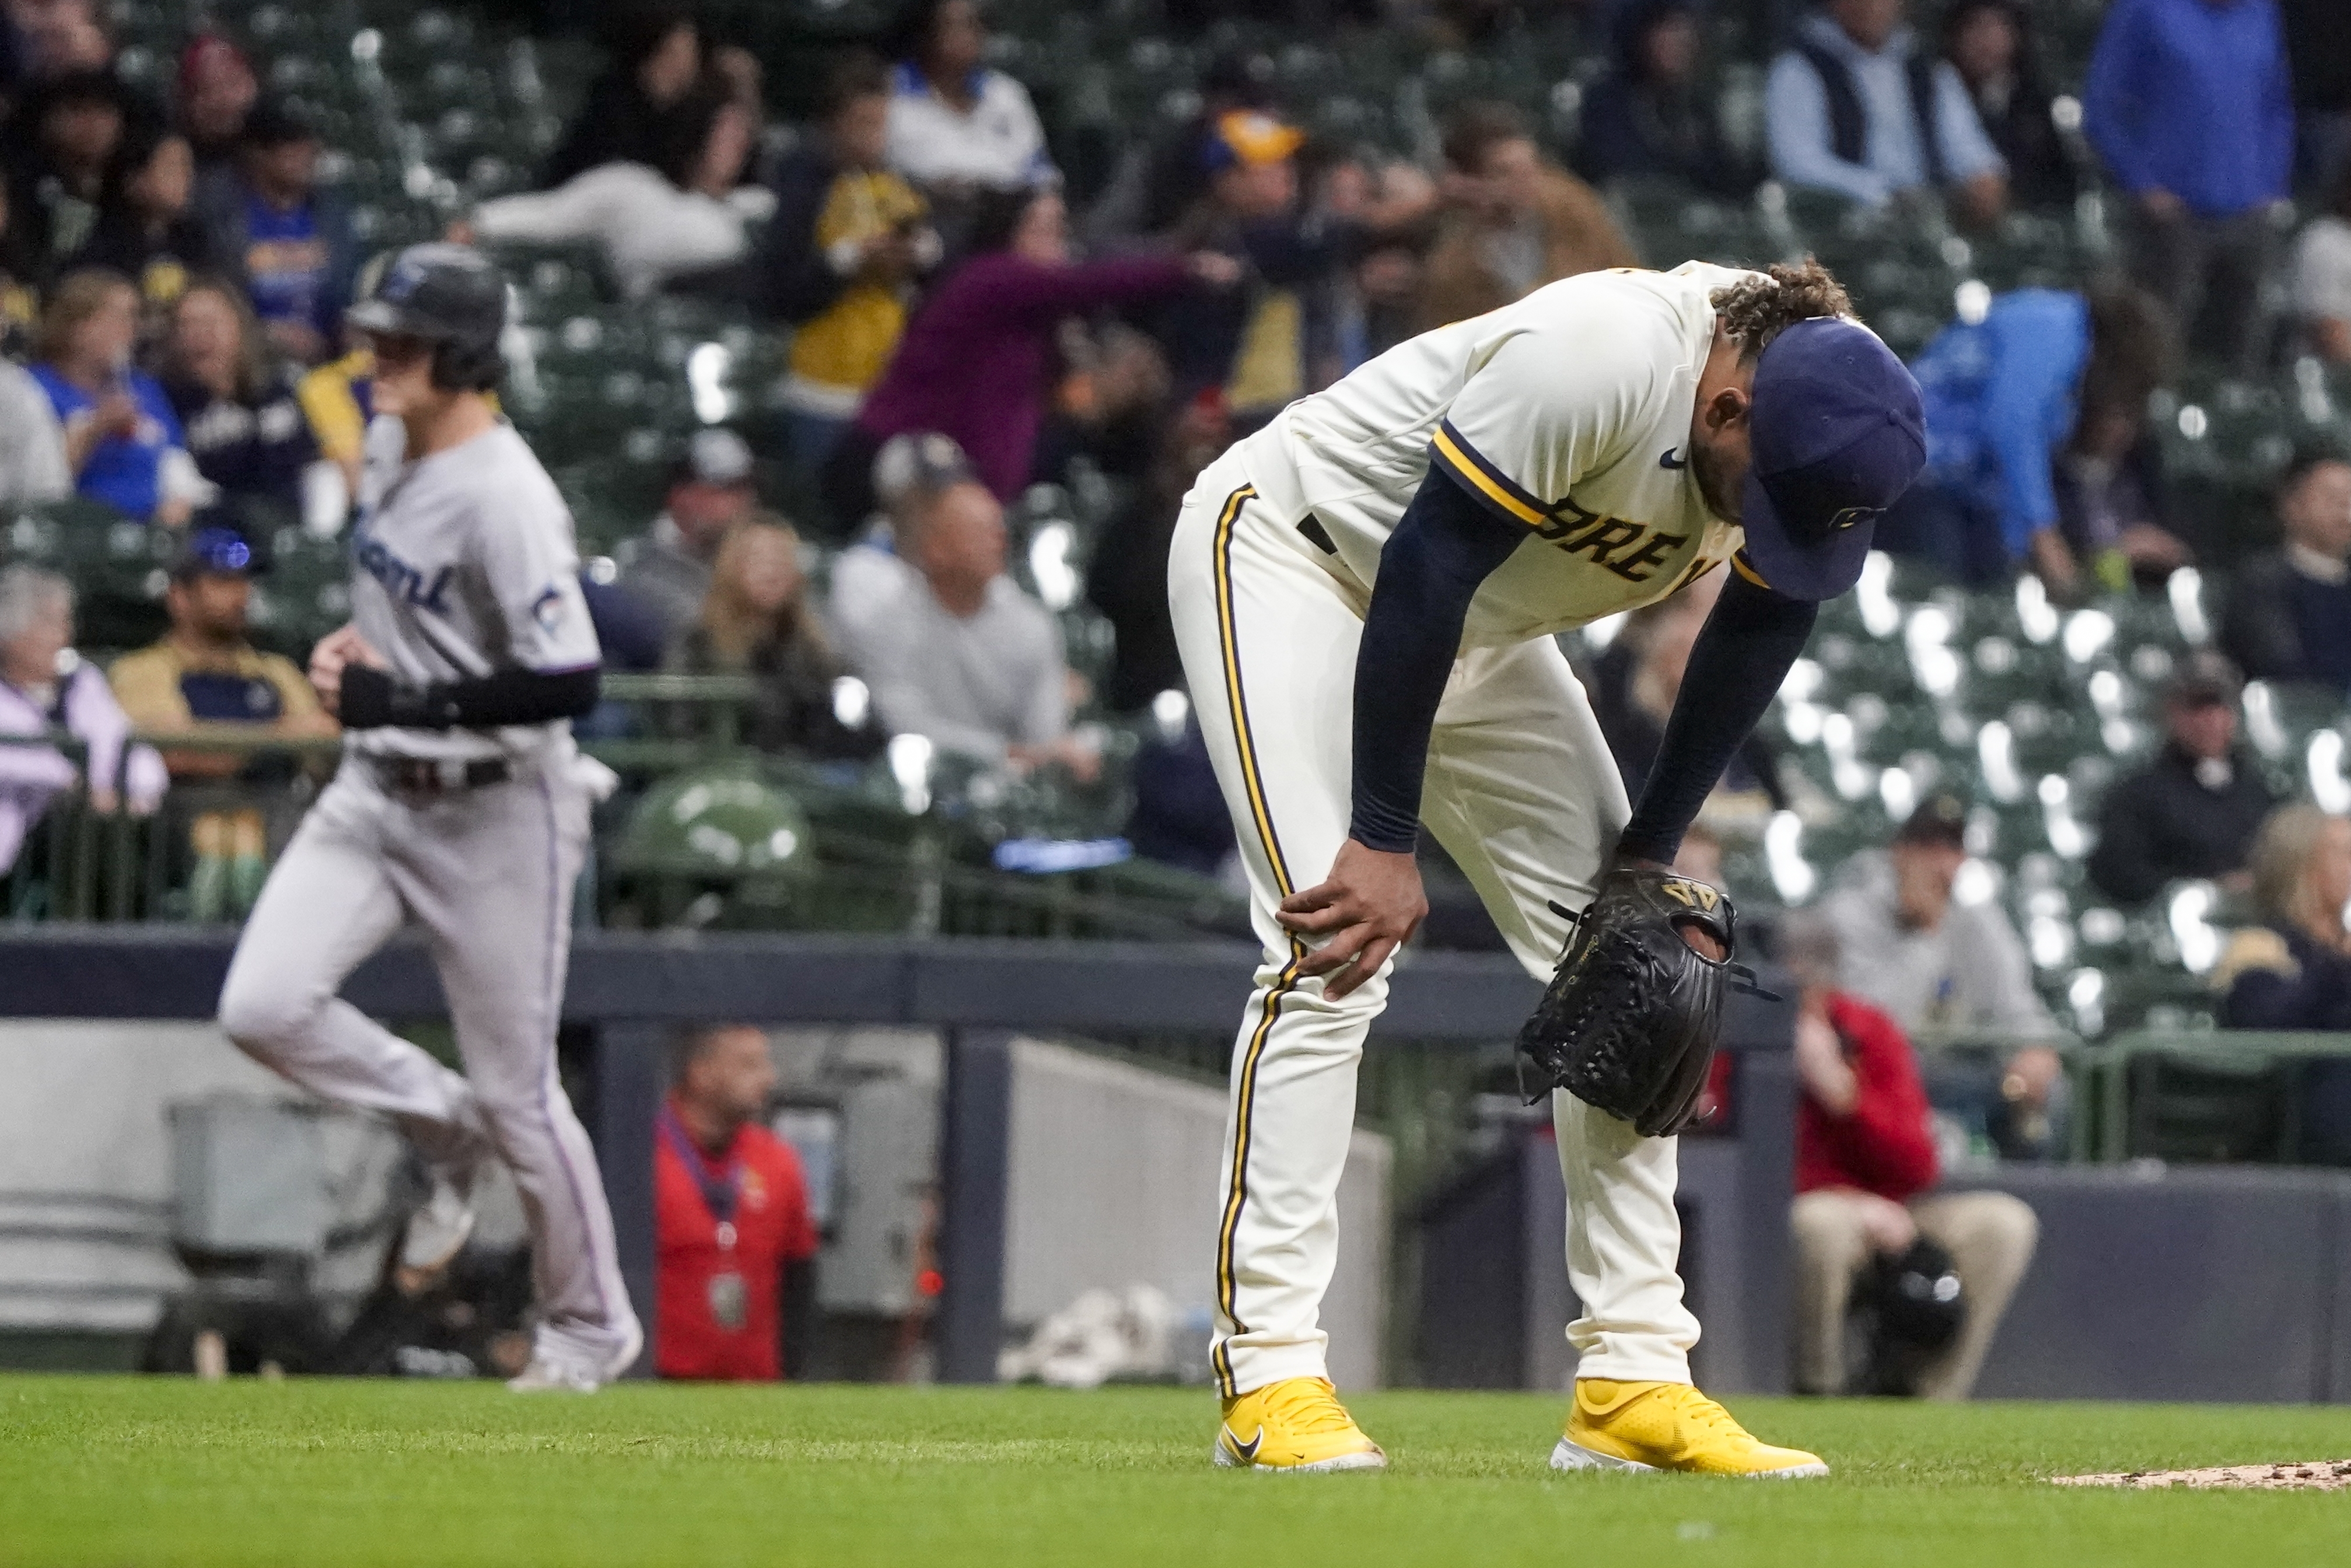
{"x":2207,"y":1112}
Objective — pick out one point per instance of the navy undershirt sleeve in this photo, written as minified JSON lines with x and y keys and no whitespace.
{"x":1740,"y":657}
{"x":1445,"y":545}
{"x":371,"y":698}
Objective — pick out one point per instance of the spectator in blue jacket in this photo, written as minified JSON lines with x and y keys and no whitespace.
{"x":291,"y":241}
{"x":2004,"y":395}
{"x":122,"y":440}
{"x":1653,"y":118}
{"x":1855,"y":106}
{"x":2189,"y":104}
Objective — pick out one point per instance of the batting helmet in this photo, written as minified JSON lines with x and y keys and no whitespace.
{"x":735,"y":847}
{"x":453,"y":298}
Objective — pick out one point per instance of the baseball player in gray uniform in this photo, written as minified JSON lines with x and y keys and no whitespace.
{"x":461,"y":804}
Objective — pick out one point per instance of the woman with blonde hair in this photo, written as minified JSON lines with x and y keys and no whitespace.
{"x":2293,"y":972}
{"x":122,"y":439}
{"x":759,"y":620}
{"x":237,"y":405}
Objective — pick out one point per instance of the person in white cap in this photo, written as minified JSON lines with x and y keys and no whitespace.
{"x":710,"y":495}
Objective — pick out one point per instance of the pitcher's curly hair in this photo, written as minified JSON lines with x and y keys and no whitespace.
{"x":1754,"y":310}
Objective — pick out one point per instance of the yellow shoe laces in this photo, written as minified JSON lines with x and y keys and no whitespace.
{"x":1311,"y":1405}
{"x":1698,"y":1410}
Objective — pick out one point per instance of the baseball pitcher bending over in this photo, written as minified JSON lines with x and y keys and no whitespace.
{"x":1365,"y":593}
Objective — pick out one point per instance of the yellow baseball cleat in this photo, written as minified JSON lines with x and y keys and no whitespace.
{"x":1293,"y":1428}
{"x":1667,"y":1426}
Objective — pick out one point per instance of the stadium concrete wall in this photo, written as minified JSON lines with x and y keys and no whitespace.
{"x":86,"y":1181}
{"x":1114,"y":1177}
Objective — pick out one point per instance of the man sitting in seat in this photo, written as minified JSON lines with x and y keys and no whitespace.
{"x":1865,"y":1167}
{"x":711,"y":493}
{"x":1937,"y":962}
{"x":2289,"y":613}
{"x":205,"y":680}
{"x":960,"y":654}
{"x":2193,"y":809}
{"x":1855,"y":105}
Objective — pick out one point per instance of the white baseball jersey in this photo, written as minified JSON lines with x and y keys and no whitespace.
{"x":1568,"y":413}
{"x":466,"y":564}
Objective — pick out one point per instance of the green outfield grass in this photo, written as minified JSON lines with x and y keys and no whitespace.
{"x":154,"y":1472}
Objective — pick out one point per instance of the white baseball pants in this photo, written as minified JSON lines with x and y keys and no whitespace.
{"x":488,"y":874}
{"x":1523,"y":795}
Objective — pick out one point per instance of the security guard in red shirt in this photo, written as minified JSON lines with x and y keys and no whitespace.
{"x":731,"y":1213}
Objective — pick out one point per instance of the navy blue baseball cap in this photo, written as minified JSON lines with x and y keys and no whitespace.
{"x":1838,"y":434}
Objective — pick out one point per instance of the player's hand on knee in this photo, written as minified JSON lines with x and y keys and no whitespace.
{"x":1369,"y":906}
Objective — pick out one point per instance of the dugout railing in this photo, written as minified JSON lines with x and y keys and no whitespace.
{"x":874,"y":862}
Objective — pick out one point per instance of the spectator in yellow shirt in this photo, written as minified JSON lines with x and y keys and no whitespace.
{"x":205,"y":680}
{"x":338,"y":399}
{"x":849,"y":241}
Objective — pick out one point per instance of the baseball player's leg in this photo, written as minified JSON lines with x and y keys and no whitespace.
{"x":1269,"y":650}
{"x":327,"y":906}
{"x":1991,"y":1237}
{"x":489,"y":873}
{"x":1832,"y":1245}
{"x":1522,"y":793}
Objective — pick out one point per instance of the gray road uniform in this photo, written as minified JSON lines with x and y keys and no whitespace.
{"x":464,"y":566}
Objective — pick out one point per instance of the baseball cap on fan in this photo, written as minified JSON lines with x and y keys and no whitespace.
{"x":214,"y":550}
{"x":1838,"y":433}
{"x":714,"y":457}
{"x":917,"y":462}
{"x":1250,"y":138}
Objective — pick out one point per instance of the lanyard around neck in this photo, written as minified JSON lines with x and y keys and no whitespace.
{"x":721,"y":1185}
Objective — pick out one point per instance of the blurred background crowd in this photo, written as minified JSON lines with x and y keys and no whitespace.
{"x":875,"y":351}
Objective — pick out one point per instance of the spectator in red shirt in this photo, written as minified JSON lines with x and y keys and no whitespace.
{"x":732,"y":1232}
{"x":1866,"y":1166}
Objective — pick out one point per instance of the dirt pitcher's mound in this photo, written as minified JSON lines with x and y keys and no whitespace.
{"x":2316,"y":1475}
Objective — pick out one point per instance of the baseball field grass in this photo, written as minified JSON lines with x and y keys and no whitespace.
{"x":157,"y":1472}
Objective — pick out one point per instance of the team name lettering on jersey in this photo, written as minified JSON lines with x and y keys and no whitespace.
{"x":1632,"y":550}
{"x":400,"y":579}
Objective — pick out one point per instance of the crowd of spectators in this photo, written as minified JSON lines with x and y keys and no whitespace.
{"x":171,"y":268}
{"x":174,"y":267}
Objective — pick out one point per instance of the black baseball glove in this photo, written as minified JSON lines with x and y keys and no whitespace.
{"x":1628,"y":1022}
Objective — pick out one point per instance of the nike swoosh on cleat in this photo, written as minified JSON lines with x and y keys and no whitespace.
{"x":1673,"y":459}
{"x":1244,"y":1452}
